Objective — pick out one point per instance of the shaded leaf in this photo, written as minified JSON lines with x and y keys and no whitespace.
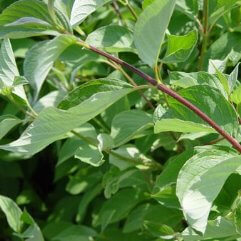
{"x":216,"y":229}
{"x":128,"y":125}
{"x":164,"y":190}
{"x":171,"y":170}
{"x":7,"y":122}
{"x":226,"y":47}
{"x":87,"y":198}
{"x":154,"y":214}
{"x":64,"y":231}
{"x":118,"y":206}
{"x":223,"y":7}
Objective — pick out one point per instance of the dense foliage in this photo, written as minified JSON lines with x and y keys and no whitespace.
{"x":89,"y":150}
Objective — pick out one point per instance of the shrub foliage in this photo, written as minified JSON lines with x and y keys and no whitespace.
{"x":120,"y":120}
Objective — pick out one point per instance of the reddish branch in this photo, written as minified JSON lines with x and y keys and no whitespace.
{"x":169,"y":92}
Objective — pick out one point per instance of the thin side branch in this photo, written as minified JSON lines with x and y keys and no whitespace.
{"x":169,"y":92}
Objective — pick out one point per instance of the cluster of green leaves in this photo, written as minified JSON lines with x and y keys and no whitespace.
{"x":89,"y":151}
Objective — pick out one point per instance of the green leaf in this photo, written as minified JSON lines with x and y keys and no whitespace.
{"x":106,"y":143}
{"x":112,"y":38}
{"x":236,"y":95}
{"x":226,"y":47}
{"x":157,"y":230}
{"x":223,"y":7}
{"x":33,"y":232}
{"x":16,"y":219}
{"x":171,"y":170}
{"x":179,"y":48}
{"x":189,"y":8}
{"x":68,"y":149}
{"x":7,"y":122}
{"x":52,"y":124}
{"x":111,"y":181}
{"x":128,"y":125}
{"x":52,"y":99}
{"x":223,"y":79}
{"x":207,"y":99}
{"x":200,"y":181}
{"x":150,"y":30}
{"x":233,"y":78}
{"x":9,"y":70}
{"x":185,"y":80}
{"x":26,"y":18}
{"x":8,"y":66}
{"x":239,"y":110}
{"x":216,"y":230}
{"x":164,"y":190}
{"x":12,"y":212}
{"x":90,"y":154}
{"x":146,"y":3}
{"x":192,"y":136}
{"x":128,"y":156}
{"x":82,"y":9}
{"x":85,"y":178}
{"x":20,"y":80}
{"x":118,"y":206}
{"x":115,"y":179}
{"x":70,"y":146}
{"x":86,"y":199}
{"x":237,"y":212}
{"x":177,"y":125}
{"x":40,"y":59}
{"x":86,"y":90}
{"x":64,"y":6}
{"x":84,"y":57}
{"x":154,"y":214}
{"x":64,"y":231}
{"x":21,"y":46}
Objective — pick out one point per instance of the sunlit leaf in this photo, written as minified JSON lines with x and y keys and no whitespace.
{"x":150,"y":30}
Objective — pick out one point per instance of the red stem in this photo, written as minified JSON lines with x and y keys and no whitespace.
{"x":173,"y":94}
